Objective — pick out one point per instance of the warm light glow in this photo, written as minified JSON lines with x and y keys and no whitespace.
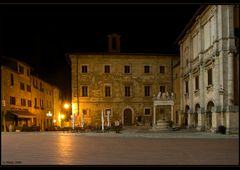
{"x":66,"y":106}
{"x":74,"y":108}
{"x":49,"y":114}
{"x":62,"y":116}
{"x":54,"y":121}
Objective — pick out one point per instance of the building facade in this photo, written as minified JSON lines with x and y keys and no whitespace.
{"x":209,"y":68}
{"x":120,"y":85}
{"x":27,"y":100}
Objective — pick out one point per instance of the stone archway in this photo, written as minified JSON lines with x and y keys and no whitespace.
{"x":185,"y":117}
{"x":127,"y":117}
{"x":208,"y":116}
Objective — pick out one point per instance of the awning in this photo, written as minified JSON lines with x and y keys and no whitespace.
{"x":22,"y":113}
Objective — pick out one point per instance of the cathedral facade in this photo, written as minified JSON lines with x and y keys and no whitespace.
{"x":209,"y":68}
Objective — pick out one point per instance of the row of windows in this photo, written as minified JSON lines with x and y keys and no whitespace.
{"x":147,"y":111}
{"x":127,"y":69}
{"x":210,"y":82}
{"x":22,"y":86}
{"x":23,"y":102}
{"x":21,"y":70}
{"x":127,"y":91}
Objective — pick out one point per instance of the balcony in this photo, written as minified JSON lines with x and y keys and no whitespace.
{"x":164,"y":99}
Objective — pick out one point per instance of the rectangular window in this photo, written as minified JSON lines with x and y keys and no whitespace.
{"x":162,"y":89}
{"x":162,"y":69}
{"x":35,"y":100}
{"x":29,"y":103}
{"x":108,"y":112}
{"x":147,"y":111}
{"x":107,"y":91}
{"x":146,"y":90}
{"x":20,"y":69}
{"x":84,"y":112}
{"x":28,"y":72}
{"x":209,"y":76}
{"x":127,"y":91}
{"x":196,"y":82}
{"x":12,"y":80}
{"x":12,"y":100}
{"x":84,"y":69}
{"x":126,"y":69}
{"x":22,"y":87}
{"x":28,"y":88}
{"x":107,"y":69}
{"x":23,"y":102}
{"x":186,"y":86}
{"x":36,"y":85}
{"x":146,"y":69}
{"x":84,"y":91}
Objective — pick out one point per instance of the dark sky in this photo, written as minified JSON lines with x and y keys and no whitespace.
{"x":41,"y":34}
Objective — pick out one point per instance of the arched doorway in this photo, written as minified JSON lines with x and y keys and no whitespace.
{"x":185,"y":122}
{"x":197,"y":108}
{"x":127,"y":117}
{"x":208,"y":119}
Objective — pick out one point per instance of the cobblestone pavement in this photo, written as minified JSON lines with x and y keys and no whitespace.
{"x":133,"y":146}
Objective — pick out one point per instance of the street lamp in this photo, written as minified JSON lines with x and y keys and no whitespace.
{"x":66,"y":106}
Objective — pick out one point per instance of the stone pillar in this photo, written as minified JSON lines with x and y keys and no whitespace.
{"x":200,"y":121}
{"x":232,"y":120}
{"x":179,"y":118}
{"x":215,"y":123}
{"x":189,"y":118}
{"x":230,"y":79}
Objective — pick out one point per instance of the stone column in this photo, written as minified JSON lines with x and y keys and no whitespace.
{"x":230,"y":79}
{"x":172,"y":113}
{"x":214,"y":119}
{"x":200,"y":120}
{"x":189,"y":118}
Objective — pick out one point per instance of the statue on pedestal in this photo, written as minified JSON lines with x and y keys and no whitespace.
{"x":159,"y":95}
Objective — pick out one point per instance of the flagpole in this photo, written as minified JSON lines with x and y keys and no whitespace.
{"x":102,"y":121}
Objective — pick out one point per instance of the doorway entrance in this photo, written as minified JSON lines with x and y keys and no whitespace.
{"x":127,"y":117}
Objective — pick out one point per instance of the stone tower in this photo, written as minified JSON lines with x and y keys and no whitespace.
{"x":114,"y":42}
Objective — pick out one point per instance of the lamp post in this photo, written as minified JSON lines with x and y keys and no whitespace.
{"x":49,"y":115}
{"x":66,"y":106}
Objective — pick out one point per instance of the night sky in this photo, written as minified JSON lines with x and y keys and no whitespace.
{"x":41,"y":35}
